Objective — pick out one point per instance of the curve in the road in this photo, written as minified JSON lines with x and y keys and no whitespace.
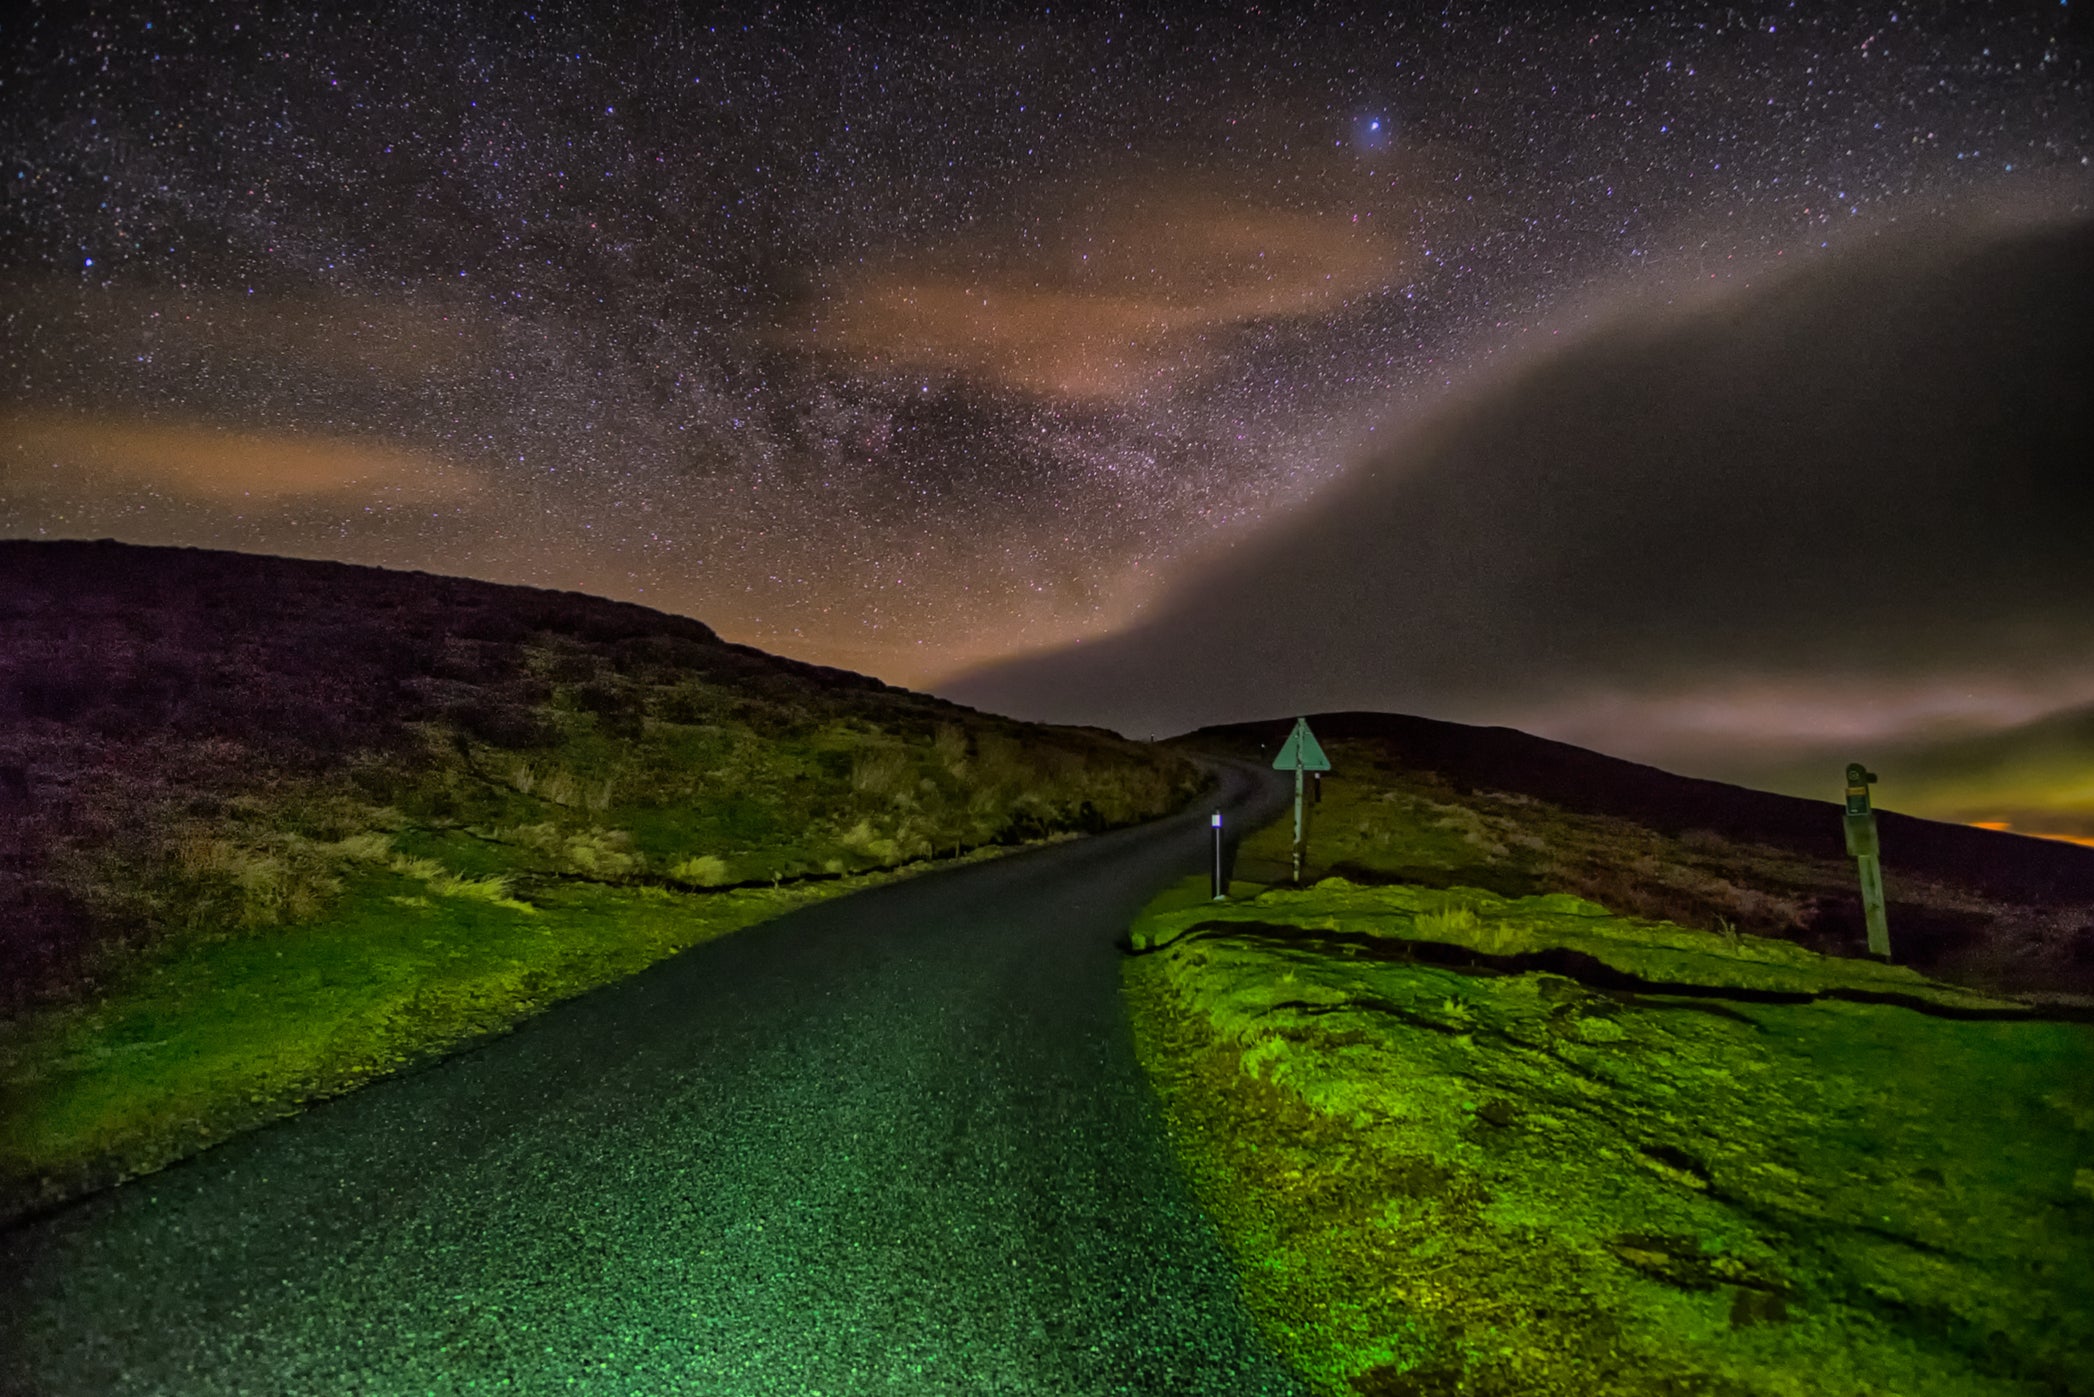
{"x":895,"y":1143}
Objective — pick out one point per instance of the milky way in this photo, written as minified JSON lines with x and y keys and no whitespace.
{"x":905,"y":344}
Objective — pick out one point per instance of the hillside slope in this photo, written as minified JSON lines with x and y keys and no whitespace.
{"x":270,"y":827}
{"x":1443,"y":804}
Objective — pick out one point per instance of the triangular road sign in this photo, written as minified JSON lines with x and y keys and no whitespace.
{"x":1301,"y":751}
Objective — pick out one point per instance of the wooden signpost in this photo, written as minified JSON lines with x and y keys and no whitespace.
{"x":1863,"y":845}
{"x":1300,"y":753}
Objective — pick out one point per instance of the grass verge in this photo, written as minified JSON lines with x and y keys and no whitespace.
{"x":1461,"y":1142}
{"x":197,"y":1043}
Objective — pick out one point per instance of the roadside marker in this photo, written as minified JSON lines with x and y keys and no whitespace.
{"x":1221,"y":891}
{"x":1867,"y":851}
{"x":1301,"y":753}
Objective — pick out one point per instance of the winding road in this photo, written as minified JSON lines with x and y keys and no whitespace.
{"x":896,"y":1143}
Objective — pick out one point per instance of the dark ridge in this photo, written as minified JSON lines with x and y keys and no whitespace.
{"x":1592,"y":972}
{"x":2001,"y":865}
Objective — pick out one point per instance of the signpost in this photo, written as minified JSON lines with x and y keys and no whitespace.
{"x":1221,"y":890}
{"x":1863,"y":845}
{"x":1301,"y":753}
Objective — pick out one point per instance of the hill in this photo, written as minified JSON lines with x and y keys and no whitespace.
{"x":1416,"y":800}
{"x":271,"y":827}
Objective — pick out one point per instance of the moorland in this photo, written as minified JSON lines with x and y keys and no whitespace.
{"x":271,"y":828}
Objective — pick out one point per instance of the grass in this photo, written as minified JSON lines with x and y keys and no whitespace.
{"x":1535,"y":1102}
{"x":1384,"y":822}
{"x":200,"y":1042}
{"x":269,"y":828}
{"x":1443,"y":1172}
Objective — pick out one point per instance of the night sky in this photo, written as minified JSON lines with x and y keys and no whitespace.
{"x":916,"y":344}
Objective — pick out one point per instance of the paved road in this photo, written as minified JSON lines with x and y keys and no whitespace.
{"x":897,"y":1143}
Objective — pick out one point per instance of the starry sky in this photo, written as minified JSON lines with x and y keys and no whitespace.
{"x":912,"y":343}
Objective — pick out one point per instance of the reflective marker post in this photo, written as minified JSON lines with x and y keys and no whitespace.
{"x":1301,"y":753}
{"x":1863,"y":845}
{"x":1301,"y":832}
{"x":1221,"y":892}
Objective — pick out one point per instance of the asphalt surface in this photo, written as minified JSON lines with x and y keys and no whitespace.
{"x":898,"y":1143}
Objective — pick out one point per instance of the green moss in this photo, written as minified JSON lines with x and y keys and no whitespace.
{"x":1446,"y":1177}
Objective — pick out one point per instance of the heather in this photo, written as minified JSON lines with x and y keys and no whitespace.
{"x":271,"y":827}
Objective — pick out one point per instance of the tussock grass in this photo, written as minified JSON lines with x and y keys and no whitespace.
{"x":442,"y":882}
{"x":704,"y":870}
{"x":344,"y":753}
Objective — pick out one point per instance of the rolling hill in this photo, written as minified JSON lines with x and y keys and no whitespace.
{"x":1415,"y":800}
{"x":270,"y":828}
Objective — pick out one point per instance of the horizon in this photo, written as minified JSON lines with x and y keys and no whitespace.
{"x":936,"y":348}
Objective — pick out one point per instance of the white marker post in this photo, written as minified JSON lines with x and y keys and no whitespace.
{"x":1867,"y":851}
{"x":1300,"y":753}
{"x":1221,"y":891}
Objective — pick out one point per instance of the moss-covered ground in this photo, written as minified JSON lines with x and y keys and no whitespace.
{"x":1383,"y":821}
{"x":1468,"y":1143}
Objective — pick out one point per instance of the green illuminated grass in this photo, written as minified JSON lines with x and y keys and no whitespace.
{"x":200,"y":1042}
{"x":1645,"y":1159}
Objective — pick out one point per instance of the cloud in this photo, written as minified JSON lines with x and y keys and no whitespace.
{"x":1868,"y":476}
{"x":1120,"y":292}
{"x":48,"y":454}
{"x":2034,"y":778}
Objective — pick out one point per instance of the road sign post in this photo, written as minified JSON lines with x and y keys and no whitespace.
{"x":1867,"y":852}
{"x":1301,"y":753}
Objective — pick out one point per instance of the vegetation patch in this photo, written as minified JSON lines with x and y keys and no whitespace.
{"x":413,"y":961}
{"x":269,"y":828}
{"x":1388,"y":819}
{"x":1759,"y":1170}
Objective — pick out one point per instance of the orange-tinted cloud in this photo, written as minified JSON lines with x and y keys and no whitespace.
{"x":1118,"y":295}
{"x":50,"y":454}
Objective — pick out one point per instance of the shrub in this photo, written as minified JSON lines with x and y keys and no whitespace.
{"x":705,"y":870}
{"x":504,"y":725}
{"x":560,"y":787}
{"x":601,"y":853}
